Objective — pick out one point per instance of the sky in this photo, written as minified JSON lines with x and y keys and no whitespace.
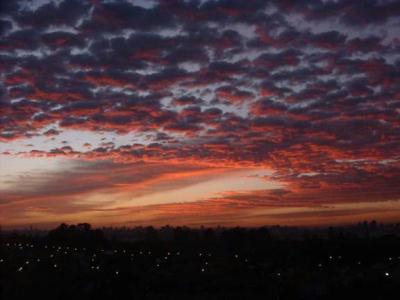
{"x":232,"y":113}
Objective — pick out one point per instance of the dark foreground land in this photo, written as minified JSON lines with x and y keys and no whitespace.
{"x":76,"y":262}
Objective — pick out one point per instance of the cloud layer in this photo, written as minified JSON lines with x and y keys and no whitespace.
{"x":308,"y":90}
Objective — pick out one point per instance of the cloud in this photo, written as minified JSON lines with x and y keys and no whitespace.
{"x":69,"y":191}
{"x":296,"y":87}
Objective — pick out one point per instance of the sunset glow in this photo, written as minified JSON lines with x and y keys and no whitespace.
{"x":236,"y":113}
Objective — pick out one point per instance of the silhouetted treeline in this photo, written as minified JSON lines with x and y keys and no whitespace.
{"x":183,"y":234}
{"x":76,"y":235}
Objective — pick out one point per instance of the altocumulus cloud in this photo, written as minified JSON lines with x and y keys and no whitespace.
{"x":308,"y":89}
